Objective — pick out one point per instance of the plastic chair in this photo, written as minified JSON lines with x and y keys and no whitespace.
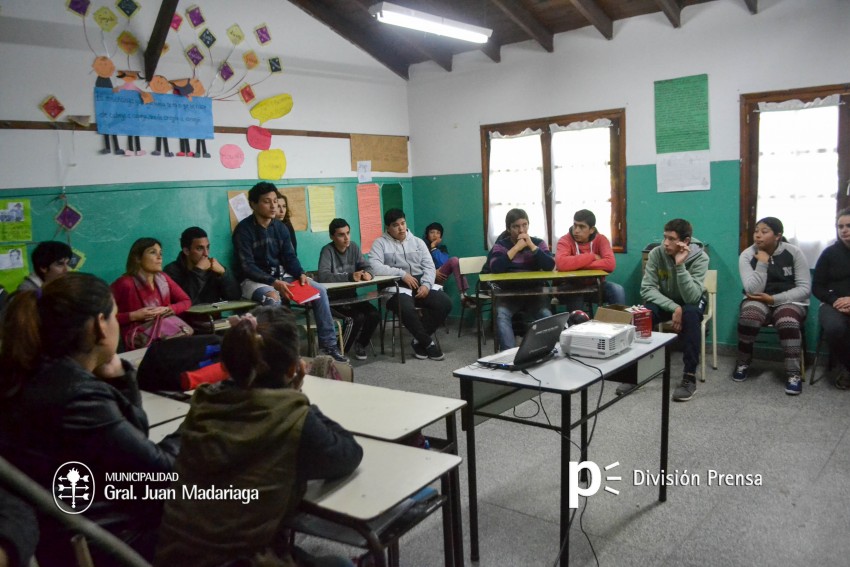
{"x":473,"y":265}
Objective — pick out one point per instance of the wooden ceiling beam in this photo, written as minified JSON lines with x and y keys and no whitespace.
{"x":356,"y":35}
{"x":594,"y":14}
{"x":527,"y":22}
{"x":752,"y":6}
{"x":672,"y":10}
{"x":157,"y":40}
{"x":492,"y":50}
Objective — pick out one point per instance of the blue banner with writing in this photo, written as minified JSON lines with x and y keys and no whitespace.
{"x":168,"y":116}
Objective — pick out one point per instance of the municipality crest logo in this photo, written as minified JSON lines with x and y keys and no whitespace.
{"x":73,"y":487}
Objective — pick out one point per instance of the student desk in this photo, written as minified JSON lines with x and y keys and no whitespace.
{"x":542,"y":276}
{"x":391,"y":415}
{"x":488,"y":393}
{"x":161,"y":409}
{"x":208,"y":315}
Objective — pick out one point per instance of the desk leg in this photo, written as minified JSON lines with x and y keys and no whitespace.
{"x":457,"y":520}
{"x":448,"y":522}
{"x":584,"y":432}
{"x":468,"y":416}
{"x":665,"y":421}
{"x":565,"y":485}
{"x":478,"y":317}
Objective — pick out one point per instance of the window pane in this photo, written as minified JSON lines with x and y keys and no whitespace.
{"x":581,"y":179}
{"x":516,"y":181}
{"x":798,"y":174}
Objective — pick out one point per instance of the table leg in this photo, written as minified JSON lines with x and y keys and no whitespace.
{"x":584,"y":432}
{"x":468,"y":416}
{"x":665,"y":422}
{"x":448,"y":523}
{"x":454,"y":495}
{"x":478,"y":317}
{"x":565,"y":485}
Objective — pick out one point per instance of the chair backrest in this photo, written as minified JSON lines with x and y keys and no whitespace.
{"x":471,"y":264}
{"x":711,"y":288}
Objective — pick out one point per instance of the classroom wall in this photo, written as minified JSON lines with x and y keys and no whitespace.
{"x":788,"y":44}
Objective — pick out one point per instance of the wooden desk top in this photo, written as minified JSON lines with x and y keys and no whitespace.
{"x":541,"y":275}
{"x":380,"y":413}
{"x":161,"y":409}
{"x":388,"y":474}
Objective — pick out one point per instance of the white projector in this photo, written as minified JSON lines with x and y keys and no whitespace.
{"x":597,"y":339}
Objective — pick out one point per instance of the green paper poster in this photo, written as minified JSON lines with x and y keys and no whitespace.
{"x":15,"y":220}
{"x":14,"y":265}
{"x":681,"y":114}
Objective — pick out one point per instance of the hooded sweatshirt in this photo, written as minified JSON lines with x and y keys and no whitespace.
{"x":670,"y":286}
{"x":391,"y":257}
{"x":572,"y":255}
{"x":525,"y":260}
{"x":785,"y":275}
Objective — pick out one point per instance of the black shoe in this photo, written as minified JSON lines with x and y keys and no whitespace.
{"x":333,"y":352}
{"x":359,"y":351}
{"x":686,"y":389}
{"x":434,"y":352}
{"x":419,"y":350}
{"x":625,"y":389}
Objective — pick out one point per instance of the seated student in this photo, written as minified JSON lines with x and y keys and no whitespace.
{"x":201,"y":276}
{"x":518,"y":251}
{"x":342,"y":261}
{"x":284,"y":215}
{"x":776,"y":282}
{"x":49,"y":261}
{"x":398,"y":253}
{"x":145,"y":292}
{"x":267,"y":265}
{"x":673,"y":289}
{"x":18,"y":531}
{"x":831,"y":285}
{"x":66,"y":396}
{"x":256,"y":432}
{"x":584,"y":248}
{"x":446,"y":265}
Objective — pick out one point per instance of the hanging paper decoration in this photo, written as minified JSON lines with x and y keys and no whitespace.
{"x":235,"y":34}
{"x":52,"y":107}
{"x":129,"y":7}
{"x":194,"y":55}
{"x":105,"y":19}
{"x":128,"y":43}
{"x":274,"y":65}
{"x":226,"y":71}
{"x":165,"y":49}
{"x":251,"y":60}
{"x":79,"y":7}
{"x":176,"y":22}
{"x":207,"y":37}
{"x":262,"y":33}
{"x":259,"y":138}
{"x":78,"y":259}
{"x":232,"y":156}
{"x":195,"y":16}
{"x":247,"y":93}
{"x":69,"y":217}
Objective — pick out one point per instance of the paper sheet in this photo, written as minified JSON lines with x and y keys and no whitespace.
{"x":322,"y":207}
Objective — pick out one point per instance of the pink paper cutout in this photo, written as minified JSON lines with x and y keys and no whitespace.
{"x":232,"y":156}
{"x":259,"y":138}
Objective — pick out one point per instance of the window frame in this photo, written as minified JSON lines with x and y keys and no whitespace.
{"x":750,"y":148}
{"x":617,"y":116}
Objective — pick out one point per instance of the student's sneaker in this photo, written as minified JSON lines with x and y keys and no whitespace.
{"x":419,"y":350}
{"x":434,"y":352}
{"x":686,"y":389}
{"x":359,"y":351}
{"x":333,"y":352}
{"x":842,"y":381}
{"x":625,"y":389}
{"x":740,"y":373}
{"x":794,"y":385}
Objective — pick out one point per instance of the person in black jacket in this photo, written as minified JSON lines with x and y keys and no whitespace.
{"x":201,"y":276}
{"x":831,"y":285}
{"x":66,"y":396}
{"x":18,"y":531}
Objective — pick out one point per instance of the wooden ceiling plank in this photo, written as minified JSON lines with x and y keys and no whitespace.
{"x":158,"y":35}
{"x":672,"y":10}
{"x":594,"y":14}
{"x":528,"y":22}
{"x":752,"y":6}
{"x":370,"y":43}
{"x":492,"y":50}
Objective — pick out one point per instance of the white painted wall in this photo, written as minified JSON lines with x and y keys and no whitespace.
{"x":788,"y":44}
{"x":335,"y":86}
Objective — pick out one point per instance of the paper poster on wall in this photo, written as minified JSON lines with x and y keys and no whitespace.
{"x":296,"y":198}
{"x":15,"y":220}
{"x":271,"y":164}
{"x":364,"y":171}
{"x":14,"y":265}
{"x":387,"y":153}
{"x":369,"y":212}
{"x":168,"y":116}
{"x":684,"y":171}
{"x":681,"y":114}
{"x":322,"y":207}
{"x":239,"y":205}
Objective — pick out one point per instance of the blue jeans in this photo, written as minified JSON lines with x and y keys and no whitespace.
{"x":321,"y":310}
{"x":613,"y":294}
{"x":538,"y":306}
{"x":690,"y":333}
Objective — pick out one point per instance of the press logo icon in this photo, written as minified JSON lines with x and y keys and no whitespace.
{"x":73,"y":487}
{"x":593,"y":485}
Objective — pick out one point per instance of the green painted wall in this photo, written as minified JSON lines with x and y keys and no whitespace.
{"x":114,"y":216}
{"x":456,"y":201}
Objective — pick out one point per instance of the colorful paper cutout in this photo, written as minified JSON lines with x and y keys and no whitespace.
{"x":79,"y":7}
{"x":271,"y":164}
{"x":78,"y":259}
{"x":165,"y":49}
{"x":207,"y":37}
{"x":167,"y":116}
{"x":247,"y":93}
{"x":128,"y":7}
{"x":273,"y":107}
{"x":251,"y":60}
{"x":195,"y":16}
{"x":232,"y":156}
{"x":69,"y":217}
{"x":235,"y":34}
{"x":259,"y":138}
{"x":322,"y":206}
{"x":176,"y":22}
{"x":262,"y":33}
{"x":128,"y":43}
{"x":14,"y":266}
{"x":194,"y":55}
{"x":226,"y":71}
{"x":52,"y":107}
{"x":274,"y":65}
{"x":15,"y":220}
{"x":105,"y":18}
{"x":80,"y":119}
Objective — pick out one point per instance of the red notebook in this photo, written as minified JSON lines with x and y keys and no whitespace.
{"x":302,"y":294}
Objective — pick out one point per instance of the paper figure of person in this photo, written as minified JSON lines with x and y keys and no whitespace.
{"x":103,"y":68}
{"x":160,"y":85}
{"x":130,"y":77}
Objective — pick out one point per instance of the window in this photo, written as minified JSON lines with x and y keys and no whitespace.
{"x":552,"y":167}
{"x":795,"y":151}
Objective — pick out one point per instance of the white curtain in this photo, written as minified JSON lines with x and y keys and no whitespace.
{"x":798,"y":170}
{"x":516,"y":181}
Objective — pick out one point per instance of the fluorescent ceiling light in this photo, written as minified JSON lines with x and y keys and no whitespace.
{"x":389,"y":13}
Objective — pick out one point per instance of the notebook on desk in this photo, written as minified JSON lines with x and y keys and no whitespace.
{"x":537,"y":345}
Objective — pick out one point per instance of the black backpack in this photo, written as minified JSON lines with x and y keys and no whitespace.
{"x":164,"y":361}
